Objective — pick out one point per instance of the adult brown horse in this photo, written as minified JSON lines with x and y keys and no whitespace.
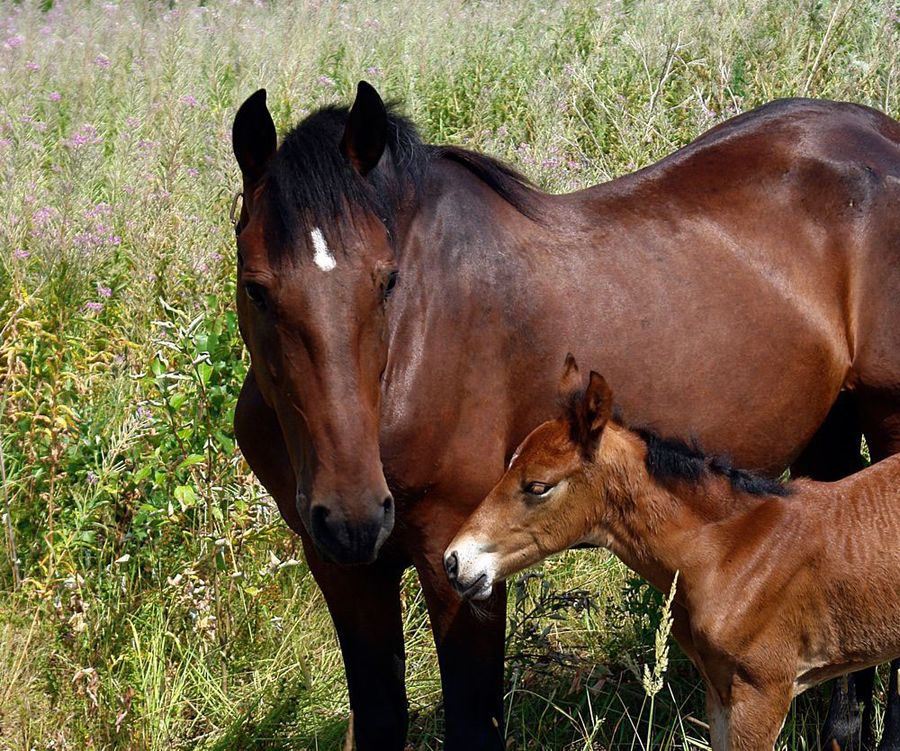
{"x":406,"y":308}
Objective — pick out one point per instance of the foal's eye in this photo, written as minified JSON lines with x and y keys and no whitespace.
{"x":389,"y":285}
{"x":257,"y":294}
{"x":538,"y":489}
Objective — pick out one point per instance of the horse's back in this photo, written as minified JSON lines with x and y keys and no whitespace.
{"x":799,"y":193}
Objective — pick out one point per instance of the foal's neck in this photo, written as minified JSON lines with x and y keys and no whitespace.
{"x":655,"y":526}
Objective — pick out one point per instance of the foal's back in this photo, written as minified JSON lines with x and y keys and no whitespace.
{"x":820,"y":571}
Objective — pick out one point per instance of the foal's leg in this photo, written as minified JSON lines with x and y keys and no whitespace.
{"x":755,"y":717}
{"x":717,"y":718}
{"x":833,"y":454}
{"x":364,"y":601}
{"x":881,"y":422}
{"x":470,"y":645}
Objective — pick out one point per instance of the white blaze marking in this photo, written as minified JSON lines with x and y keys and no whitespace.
{"x":323,"y":256}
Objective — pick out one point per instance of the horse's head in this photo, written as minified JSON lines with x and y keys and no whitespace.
{"x":547,"y":499}
{"x":315,"y":269}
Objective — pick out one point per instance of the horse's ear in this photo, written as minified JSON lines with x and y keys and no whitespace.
{"x":570,"y":381}
{"x":365,"y":134}
{"x":253,"y":137}
{"x":597,"y":406}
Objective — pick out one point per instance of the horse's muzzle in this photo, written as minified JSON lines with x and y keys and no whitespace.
{"x":347,"y":540}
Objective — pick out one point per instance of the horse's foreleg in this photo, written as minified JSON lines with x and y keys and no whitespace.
{"x":890,"y":740}
{"x":848,"y":724}
{"x":364,"y":602}
{"x":470,"y":642}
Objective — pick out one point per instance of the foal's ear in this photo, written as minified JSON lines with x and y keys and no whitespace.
{"x":596,"y":409}
{"x":570,"y":381}
{"x":365,"y":134}
{"x":253,"y":137}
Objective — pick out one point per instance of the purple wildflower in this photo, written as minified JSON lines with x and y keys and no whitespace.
{"x":86,"y":135}
{"x":374,"y":71}
{"x":44,"y":215}
{"x":21,"y":254}
{"x":192,"y":172}
{"x":190,"y":100}
{"x":98,"y":210}
{"x":102,"y":61}
{"x":91,"y":477}
{"x":32,"y":66}
{"x":54,"y":96}
{"x":327,"y":81}
{"x":93,"y":306}
{"x":103,"y":291}
{"x":16,"y":40}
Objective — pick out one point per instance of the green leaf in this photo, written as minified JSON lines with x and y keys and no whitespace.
{"x":190,"y":460}
{"x":205,"y":370}
{"x":186,"y":496}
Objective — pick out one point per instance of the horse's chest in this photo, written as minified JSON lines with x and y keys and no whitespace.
{"x":441,"y":456}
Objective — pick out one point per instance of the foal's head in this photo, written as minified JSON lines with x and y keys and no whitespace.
{"x":547,"y":499}
{"x":315,"y":269}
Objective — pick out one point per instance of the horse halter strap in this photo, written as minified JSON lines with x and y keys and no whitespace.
{"x":235,"y":215}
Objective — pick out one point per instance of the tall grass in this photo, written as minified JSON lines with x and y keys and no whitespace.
{"x":149,"y":595}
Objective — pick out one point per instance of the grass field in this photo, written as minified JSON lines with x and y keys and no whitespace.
{"x":150,"y":597}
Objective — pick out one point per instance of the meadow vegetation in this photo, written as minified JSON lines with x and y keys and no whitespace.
{"x":150,"y":596}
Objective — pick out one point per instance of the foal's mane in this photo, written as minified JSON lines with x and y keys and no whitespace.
{"x":669,"y":459}
{"x":676,"y":459}
{"x":309,"y":178}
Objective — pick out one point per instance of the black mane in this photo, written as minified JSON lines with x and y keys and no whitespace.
{"x":674,"y":459}
{"x":309,"y":179}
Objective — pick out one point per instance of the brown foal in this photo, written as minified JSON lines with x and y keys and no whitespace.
{"x":779,"y":587}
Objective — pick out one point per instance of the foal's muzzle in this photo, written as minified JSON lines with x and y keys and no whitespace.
{"x":469,"y":577}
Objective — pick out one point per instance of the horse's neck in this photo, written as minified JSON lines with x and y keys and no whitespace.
{"x":655,"y":529}
{"x":466,"y":265}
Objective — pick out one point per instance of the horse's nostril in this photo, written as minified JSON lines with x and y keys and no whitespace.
{"x":388,"y":504}
{"x":451,"y":565}
{"x":319,"y":518}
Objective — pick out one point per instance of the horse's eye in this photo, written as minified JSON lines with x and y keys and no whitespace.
{"x":390,"y":284}
{"x":538,"y":489}
{"x":257,"y":294}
